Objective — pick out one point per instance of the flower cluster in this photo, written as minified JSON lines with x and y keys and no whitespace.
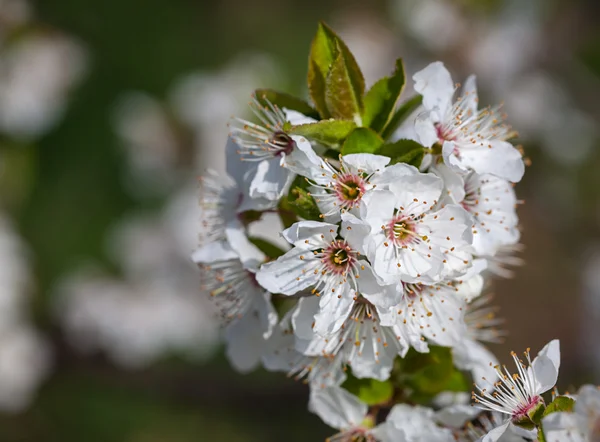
{"x":389,"y":242}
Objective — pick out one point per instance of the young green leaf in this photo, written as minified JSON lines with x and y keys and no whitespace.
{"x":331,"y":133}
{"x":268,"y":248}
{"x":286,"y":213}
{"x":362,"y":140}
{"x":370,"y":391}
{"x":380,"y":101}
{"x":560,"y":403}
{"x":344,"y":86}
{"x":322,"y":53}
{"x":403,"y":151}
{"x":328,"y":50}
{"x":401,"y":115}
{"x":301,"y":202}
{"x":283,"y":100}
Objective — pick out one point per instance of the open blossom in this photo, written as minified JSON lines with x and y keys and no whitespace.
{"x":411,"y":240}
{"x":471,"y":139}
{"x":362,"y":341}
{"x":340,"y":189}
{"x":518,"y":395}
{"x":265,"y":146}
{"x":491,"y":201}
{"x":412,"y":424}
{"x":228,"y":275}
{"x":281,"y":355}
{"x":582,"y":425}
{"x":330,"y":266}
{"x":434,"y":313}
{"x":342,"y":410}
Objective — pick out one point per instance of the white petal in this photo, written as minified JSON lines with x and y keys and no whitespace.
{"x":425,"y":188}
{"x":546,"y":365}
{"x":303,"y":317}
{"x":249,"y":254}
{"x":473,"y":356}
{"x":435,"y":84}
{"x":213,"y":252}
{"x":496,"y":433}
{"x":453,"y":182}
{"x":378,"y":294}
{"x":469,"y":95}
{"x":392,"y":173}
{"x":365,"y":162}
{"x":247,"y":337}
{"x":456,"y":415}
{"x":377,"y":206}
{"x":355,"y":232}
{"x":271,"y":180}
{"x":502,"y":159}
{"x":334,"y":309}
{"x":337,"y":407}
{"x":425,"y":129}
{"x":290,"y":273}
{"x":304,"y":161}
{"x":296,"y":118}
{"x":562,"y":426}
{"x":416,"y":424}
{"x":310,"y":235}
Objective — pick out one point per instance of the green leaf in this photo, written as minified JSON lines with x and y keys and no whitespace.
{"x":344,"y":86}
{"x":403,"y":151}
{"x":400,"y":115}
{"x":370,"y":391}
{"x":331,"y":133}
{"x":301,"y":202}
{"x":560,"y":403}
{"x":362,"y":140}
{"x":283,"y":100}
{"x":267,"y":247}
{"x":335,"y":82}
{"x":286,"y":213}
{"x":322,"y":53}
{"x":380,"y":101}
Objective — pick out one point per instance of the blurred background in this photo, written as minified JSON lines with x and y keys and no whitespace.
{"x":109,"y":111}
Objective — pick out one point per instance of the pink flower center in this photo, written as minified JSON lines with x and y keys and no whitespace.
{"x":444,"y":133}
{"x":349,"y":189}
{"x":401,"y":230}
{"x":523,"y":410}
{"x":339,"y":257}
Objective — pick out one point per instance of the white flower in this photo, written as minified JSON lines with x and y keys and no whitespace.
{"x":361,"y":342}
{"x":410,"y":239}
{"x":228,"y":271}
{"x":412,"y":424}
{"x":342,"y":410}
{"x":222,"y":203}
{"x":340,"y":189}
{"x":281,"y":355}
{"x":492,"y":203}
{"x":471,"y":139}
{"x":583,"y":425}
{"x":328,"y":264}
{"x":518,"y":395}
{"x":435,"y":312}
{"x":265,"y":146}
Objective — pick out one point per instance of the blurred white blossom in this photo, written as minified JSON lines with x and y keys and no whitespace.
{"x":36,"y":74}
